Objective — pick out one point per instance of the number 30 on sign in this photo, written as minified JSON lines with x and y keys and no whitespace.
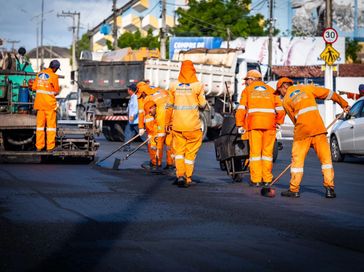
{"x":330,"y":35}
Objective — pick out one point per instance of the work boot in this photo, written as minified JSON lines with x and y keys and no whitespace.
{"x":179,"y":181}
{"x":255,"y":184}
{"x":266,"y":184}
{"x":169,"y":167}
{"x":186,"y":183}
{"x":330,"y":193}
{"x":289,"y":193}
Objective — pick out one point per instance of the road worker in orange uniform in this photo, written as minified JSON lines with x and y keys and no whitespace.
{"x":355,"y":96}
{"x":159,"y":97}
{"x":258,"y":113}
{"x":46,"y":87}
{"x":309,"y":131}
{"x":186,"y":96}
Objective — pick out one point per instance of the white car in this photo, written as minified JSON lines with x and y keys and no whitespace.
{"x":71,"y":103}
{"x":347,"y":136}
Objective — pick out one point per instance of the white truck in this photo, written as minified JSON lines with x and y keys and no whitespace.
{"x":220,"y":70}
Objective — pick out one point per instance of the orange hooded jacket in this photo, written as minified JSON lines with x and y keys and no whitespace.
{"x":301,"y":107}
{"x":46,"y":87}
{"x":185,"y":97}
{"x":259,"y":108}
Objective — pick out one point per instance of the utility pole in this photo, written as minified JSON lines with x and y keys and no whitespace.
{"x":115,"y":27}
{"x":41,"y":37}
{"x":73,"y":15}
{"x":228,"y":37}
{"x":329,"y":74}
{"x":270,"y":39}
{"x":163,"y":31}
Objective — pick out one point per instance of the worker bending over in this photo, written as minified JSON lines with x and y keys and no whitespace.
{"x":159,"y":97}
{"x":186,"y":96}
{"x":46,"y":87}
{"x":299,"y":101}
{"x":258,"y":113}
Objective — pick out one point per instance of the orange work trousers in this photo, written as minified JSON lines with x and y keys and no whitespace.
{"x":169,"y":149}
{"x":46,"y":120}
{"x":299,"y":151}
{"x":261,"y":145}
{"x":186,"y":145}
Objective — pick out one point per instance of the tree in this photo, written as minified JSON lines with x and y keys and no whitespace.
{"x":83,"y":44}
{"x":215,"y":17}
{"x":352,"y":48}
{"x":136,"y":40}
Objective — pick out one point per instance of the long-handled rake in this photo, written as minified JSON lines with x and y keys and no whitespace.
{"x":116,"y":150}
{"x":117,"y":161}
{"x":271,"y":192}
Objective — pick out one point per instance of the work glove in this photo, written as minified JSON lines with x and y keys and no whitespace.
{"x":141,"y":131}
{"x":241,"y":130}
{"x":278,"y":127}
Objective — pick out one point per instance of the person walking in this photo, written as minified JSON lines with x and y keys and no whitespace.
{"x":46,"y":87}
{"x":131,"y":128}
{"x":186,"y":96}
{"x":259,"y":113}
{"x":299,"y":101}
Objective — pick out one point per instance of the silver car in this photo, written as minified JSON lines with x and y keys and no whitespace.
{"x":347,"y":136}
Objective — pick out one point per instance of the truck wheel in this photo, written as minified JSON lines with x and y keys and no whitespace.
{"x":203,"y":125}
{"x":106,"y":130}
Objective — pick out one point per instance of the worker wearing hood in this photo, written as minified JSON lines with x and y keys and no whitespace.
{"x":186,"y":96}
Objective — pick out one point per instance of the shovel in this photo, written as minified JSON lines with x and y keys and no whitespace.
{"x":117,"y":161}
{"x":116,"y":150}
{"x":271,"y":192}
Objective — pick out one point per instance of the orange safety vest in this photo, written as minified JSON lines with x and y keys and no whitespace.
{"x":160,"y":98}
{"x":301,"y":107}
{"x":46,"y":87}
{"x":185,"y":100}
{"x":259,"y":108}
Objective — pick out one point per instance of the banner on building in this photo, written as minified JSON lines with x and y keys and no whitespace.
{"x":177,"y":44}
{"x":294,"y":51}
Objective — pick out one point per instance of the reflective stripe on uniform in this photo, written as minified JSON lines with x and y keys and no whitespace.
{"x":326,"y":166}
{"x":179,"y":157}
{"x":141,"y":111}
{"x":168,"y":106}
{"x":296,"y":170}
{"x":265,"y":158}
{"x":261,"y":110}
{"x":40,"y":128}
{"x":46,"y":92}
{"x":304,"y":110}
{"x":161,"y":134}
{"x":279,"y":108}
{"x":255,"y":158}
{"x":189,"y":161}
{"x":330,"y":95}
{"x":51,"y":129}
{"x":195,"y":107}
{"x":147,"y":120}
{"x":241,"y":107}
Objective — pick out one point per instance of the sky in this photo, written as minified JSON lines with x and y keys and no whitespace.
{"x":18,"y":20}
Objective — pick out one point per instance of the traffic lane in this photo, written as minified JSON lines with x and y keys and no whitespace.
{"x":111,"y":219}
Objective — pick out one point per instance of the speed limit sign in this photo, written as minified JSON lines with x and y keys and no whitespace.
{"x":330,"y":35}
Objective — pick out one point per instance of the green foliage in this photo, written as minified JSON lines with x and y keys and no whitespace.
{"x":82,"y":44}
{"x":352,"y":48}
{"x":214,"y":17}
{"x":136,"y":41}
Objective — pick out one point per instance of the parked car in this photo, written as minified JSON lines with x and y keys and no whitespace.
{"x":71,"y":103}
{"x":347,"y":136}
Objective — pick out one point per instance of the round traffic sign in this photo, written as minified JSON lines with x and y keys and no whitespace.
{"x":330,"y":35}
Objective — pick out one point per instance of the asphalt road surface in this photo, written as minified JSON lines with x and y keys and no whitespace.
{"x":82,"y":217}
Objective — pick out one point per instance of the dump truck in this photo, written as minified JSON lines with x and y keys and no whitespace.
{"x":75,"y":139}
{"x":220,"y":70}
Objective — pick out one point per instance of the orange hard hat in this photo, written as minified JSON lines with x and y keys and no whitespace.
{"x":283,"y":80}
{"x":147,"y":89}
{"x":254,"y":74}
{"x":139,"y":84}
{"x":148,"y":105}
